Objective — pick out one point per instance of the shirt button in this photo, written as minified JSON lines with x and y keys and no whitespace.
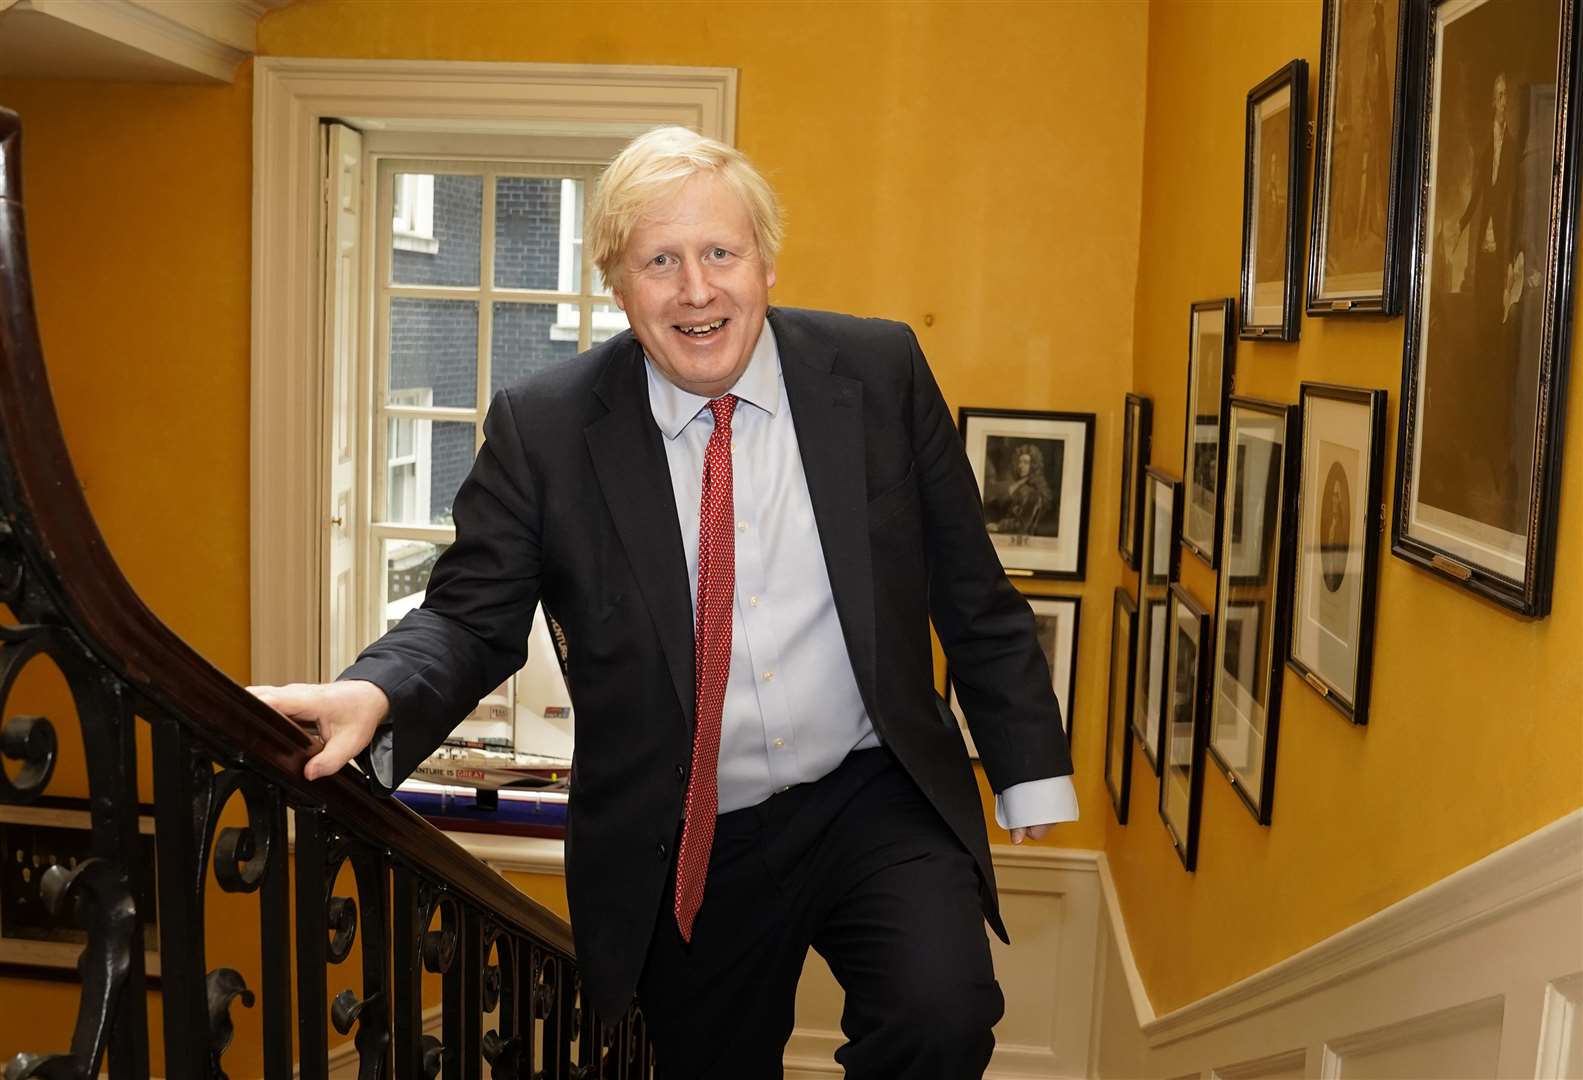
{"x":753,"y":601}
{"x":779,"y":743}
{"x":769,"y":676}
{"x":661,"y":848}
{"x":742,"y":526}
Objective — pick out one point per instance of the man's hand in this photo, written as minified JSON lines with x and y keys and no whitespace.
{"x":344,"y":714}
{"x":1032,"y":832}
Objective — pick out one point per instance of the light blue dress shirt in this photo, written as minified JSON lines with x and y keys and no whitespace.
{"x":792,"y":709}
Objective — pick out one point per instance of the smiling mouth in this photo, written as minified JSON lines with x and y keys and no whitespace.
{"x":703,"y":329}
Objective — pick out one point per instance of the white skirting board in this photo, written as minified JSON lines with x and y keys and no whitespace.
{"x":1479,"y":975}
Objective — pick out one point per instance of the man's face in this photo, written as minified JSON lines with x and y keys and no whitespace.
{"x":695,"y":287}
{"x":1498,"y":99}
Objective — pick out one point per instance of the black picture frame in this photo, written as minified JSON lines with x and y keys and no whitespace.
{"x":1209,"y":388}
{"x":1182,"y":752}
{"x":1488,"y":337}
{"x":1037,"y":532}
{"x":1272,"y":199}
{"x":1136,"y":435}
{"x":1340,"y":505}
{"x":1118,"y":709}
{"x":1251,"y":616}
{"x":1361,"y":68}
{"x":1158,"y":564}
{"x":1057,"y":622}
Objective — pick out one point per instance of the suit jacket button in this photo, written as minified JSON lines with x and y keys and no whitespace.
{"x":681,"y":773}
{"x":661,"y":848}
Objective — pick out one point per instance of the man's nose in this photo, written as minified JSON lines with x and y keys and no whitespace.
{"x":696,"y":288}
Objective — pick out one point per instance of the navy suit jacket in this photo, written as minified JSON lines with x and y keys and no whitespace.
{"x":570,"y":503}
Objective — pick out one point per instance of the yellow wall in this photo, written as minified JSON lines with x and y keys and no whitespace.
{"x":1473,"y":739}
{"x":974,"y":164}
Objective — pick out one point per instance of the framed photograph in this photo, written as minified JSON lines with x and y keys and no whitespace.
{"x":1339,"y":509}
{"x":1272,"y":199}
{"x":1211,"y":376}
{"x":1182,"y":781}
{"x":1118,"y":712}
{"x":1254,"y":571}
{"x":1055,"y":624}
{"x":1363,"y":157}
{"x":1033,"y":476}
{"x":1136,"y":420}
{"x":34,"y":838}
{"x":1487,"y":341}
{"x":1158,"y":564}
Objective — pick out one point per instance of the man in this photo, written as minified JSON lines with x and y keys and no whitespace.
{"x":744,"y":521}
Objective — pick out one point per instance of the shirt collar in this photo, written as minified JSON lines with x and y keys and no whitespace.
{"x":759,"y":385}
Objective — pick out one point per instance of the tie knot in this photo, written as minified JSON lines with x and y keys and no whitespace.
{"x":723,"y":407}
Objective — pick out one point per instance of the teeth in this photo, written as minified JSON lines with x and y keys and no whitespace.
{"x":701,"y":330}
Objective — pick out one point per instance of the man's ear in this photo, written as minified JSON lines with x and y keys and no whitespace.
{"x":769,"y":276}
{"x":615,"y":294}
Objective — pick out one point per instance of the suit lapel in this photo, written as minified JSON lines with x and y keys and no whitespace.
{"x":629,"y":460}
{"x":827,"y":412}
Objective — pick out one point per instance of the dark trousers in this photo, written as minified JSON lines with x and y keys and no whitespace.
{"x":859,"y":866}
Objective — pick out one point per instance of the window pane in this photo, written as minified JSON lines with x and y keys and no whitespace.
{"x":407,"y":567}
{"x":538,"y":233}
{"x":434,"y":348}
{"x":530,"y":337}
{"x":438,"y":221}
{"x":427,"y":460}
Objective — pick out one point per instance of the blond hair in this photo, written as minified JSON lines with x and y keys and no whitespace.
{"x":650,"y":169}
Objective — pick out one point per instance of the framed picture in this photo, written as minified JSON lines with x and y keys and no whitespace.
{"x":1182,"y":781}
{"x":1272,"y":199}
{"x":1118,"y":712}
{"x":1137,"y":419}
{"x":1162,"y":516}
{"x":1251,"y":644}
{"x":1339,"y":509}
{"x":1489,"y":318}
{"x":1055,"y":624}
{"x":1033,"y":476}
{"x":33,"y":838}
{"x":1363,"y":156}
{"x":1211,"y":376}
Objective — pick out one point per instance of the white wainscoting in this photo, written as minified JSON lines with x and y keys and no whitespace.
{"x":1479,"y":975}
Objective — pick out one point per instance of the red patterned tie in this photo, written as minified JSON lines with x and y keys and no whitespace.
{"x":717,"y":576}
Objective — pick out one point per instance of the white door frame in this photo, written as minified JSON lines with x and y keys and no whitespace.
{"x":290,"y":516}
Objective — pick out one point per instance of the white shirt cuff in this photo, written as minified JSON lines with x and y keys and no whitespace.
{"x":1036,"y":802}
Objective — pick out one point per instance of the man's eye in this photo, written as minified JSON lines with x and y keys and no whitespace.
{"x":719,"y":253}
{"x":660,"y":260}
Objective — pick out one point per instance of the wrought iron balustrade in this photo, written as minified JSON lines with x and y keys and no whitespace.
{"x":420,"y":902}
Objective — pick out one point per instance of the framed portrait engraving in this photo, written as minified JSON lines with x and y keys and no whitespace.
{"x":1055,"y":625}
{"x":1339,"y":510}
{"x":59,"y":832}
{"x":1211,"y":371}
{"x":1363,"y":157}
{"x":1118,"y":711}
{"x":1157,"y":566}
{"x":1182,"y":780}
{"x":1489,"y":318}
{"x":1033,"y":476}
{"x":1250,"y":648}
{"x":1137,"y":419}
{"x":1272,"y":199}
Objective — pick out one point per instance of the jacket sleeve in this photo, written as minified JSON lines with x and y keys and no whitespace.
{"x":983,"y":622}
{"x":471,"y":632}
